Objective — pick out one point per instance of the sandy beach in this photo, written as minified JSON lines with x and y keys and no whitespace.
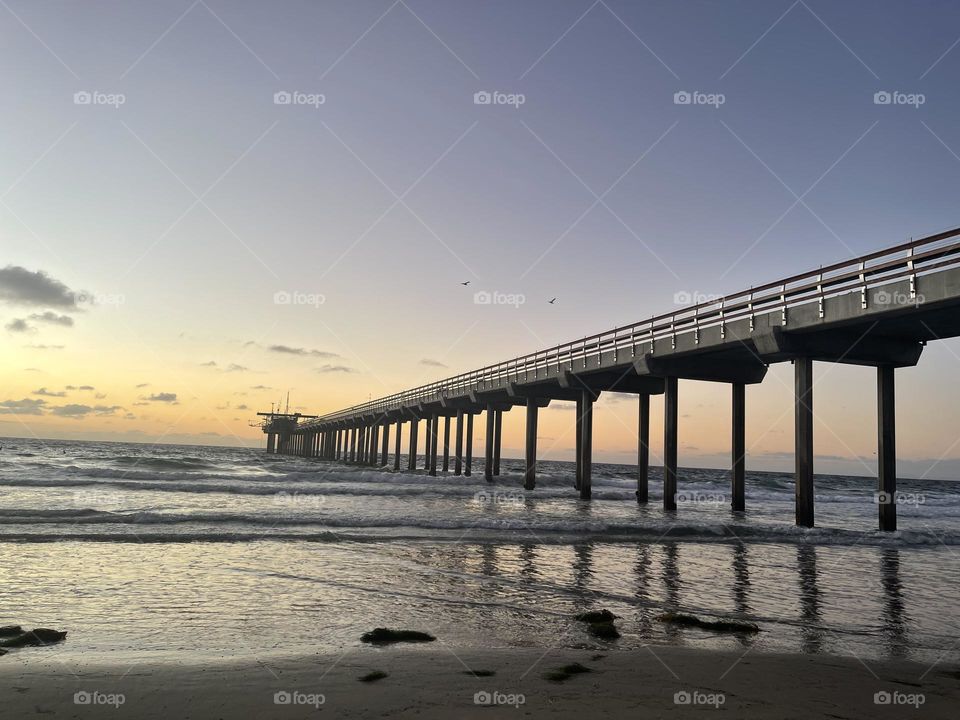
{"x":435,"y":682}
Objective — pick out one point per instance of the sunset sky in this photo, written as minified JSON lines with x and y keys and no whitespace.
{"x":179,"y":246}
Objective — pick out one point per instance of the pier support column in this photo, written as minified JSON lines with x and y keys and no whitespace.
{"x":385,"y":446}
{"x":396,"y":446}
{"x":643,"y":450}
{"x":353,"y":444}
{"x":670,"y":443}
{"x":886,"y":449}
{"x":803,"y":428}
{"x":364,"y":439}
{"x":468,"y":457}
{"x":578,"y":431}
{"x":530,"y":474}
{"x":374,"y":449}
{"x":412,"y":458}
{"x":426,"y":442}
{"x":271,"y":443}
{"x":738,"y":446}
{"x":446,"y":443}
{"x":458,"y":445}
{"x":434,"y":426}
{"x":488,"y":450}
{"x":339,"y":454}
{"x":497,"y":437}
{"x":586,"y":444}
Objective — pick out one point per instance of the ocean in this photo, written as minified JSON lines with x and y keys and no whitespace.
{"x":165,"y":552}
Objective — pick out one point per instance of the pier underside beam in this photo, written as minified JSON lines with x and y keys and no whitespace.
{"x":841,"y":346}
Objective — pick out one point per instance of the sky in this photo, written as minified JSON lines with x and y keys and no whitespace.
{"x":207,"y":204}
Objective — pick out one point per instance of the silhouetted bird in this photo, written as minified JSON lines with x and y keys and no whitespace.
{"x":551,"y":302}
{"x":465,"y":283}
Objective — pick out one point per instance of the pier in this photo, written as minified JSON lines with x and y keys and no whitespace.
{"x":877,"y":311}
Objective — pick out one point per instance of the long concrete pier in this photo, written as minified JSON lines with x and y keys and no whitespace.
{"x":878,"y":311}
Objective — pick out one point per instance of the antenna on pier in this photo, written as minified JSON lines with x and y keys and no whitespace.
{"x":287,"y":411}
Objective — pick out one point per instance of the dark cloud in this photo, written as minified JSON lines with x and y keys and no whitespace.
{"x":47,"y":393}
{"x":27,"y":406}
{"x":52,"y":318}
{"x":77,"y":412}
{"x":242,"y":407}
{"x":432,"y":363}
{"x":19,"y":325}
{"x":287,"y":350}
{"x":166,"y":397}
{"x":23,"y":287}
{"x":335,"y":369}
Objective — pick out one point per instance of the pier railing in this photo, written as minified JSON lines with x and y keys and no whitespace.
{"x":901,"y":262}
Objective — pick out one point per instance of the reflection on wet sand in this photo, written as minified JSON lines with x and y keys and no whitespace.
{"x":810,"y":612}
{"x":894,"y":620}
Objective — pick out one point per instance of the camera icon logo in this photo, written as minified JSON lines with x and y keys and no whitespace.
{"x":882,"y":498}
{"x":282,"y":297}
{"x":882,"y":698}
{"x":882,"y":97}
{"x":482,"y":98}
{"x":482,"y":297}
{"x":681,"y":697}
{"x":82,"y":697}
{"x":282,"y":98}
{"x":682,"y":97}
{"x":682,"y":298}
{"x":282,"y":697}
{"x":482,"y":698}
{"x":82,"y":98}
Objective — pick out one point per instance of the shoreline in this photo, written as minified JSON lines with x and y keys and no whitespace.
{"x":434,"y":681}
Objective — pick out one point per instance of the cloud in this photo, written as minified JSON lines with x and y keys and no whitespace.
{"x":242,"y":407}
{"x":45,"y":347}
{"x":142,"y":385}
{"x":432,"y":363}
{"x":141,"y":403}
{"x":27,"y":406}
{"x":52,"y":318}
{"x":166,"y":397}
{"x":23,"y":287}
{"x":100,"y":396}
{"x":76,"y":412}
{"x":335,"y":369}
{"x":287,"y":350}
{"x":260,"y":387}
{"x":79,"y":387}
{"x":19,"y":325}
{"x":209,"y":363}
{"x":47,"y":393}
{"x":233,"y":367}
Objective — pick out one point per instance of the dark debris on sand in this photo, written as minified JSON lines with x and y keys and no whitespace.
{"x":600,"y":624}
{"x":386,"y":636}
{"x":14,"y":637}
{"x":480,"y":673}
{"x":566,"y":672}
{"x":373,"y":676}
{"x":725,"y":625}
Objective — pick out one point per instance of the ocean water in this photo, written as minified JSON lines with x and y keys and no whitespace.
{"x":196,"y":553}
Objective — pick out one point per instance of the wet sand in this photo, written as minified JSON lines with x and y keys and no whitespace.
{"x":433,"y":681}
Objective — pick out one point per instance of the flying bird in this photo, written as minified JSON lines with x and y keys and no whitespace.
{"x":465,"y":283}
{"x":551,"y":302}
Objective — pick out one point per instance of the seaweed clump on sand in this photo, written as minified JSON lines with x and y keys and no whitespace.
{"x":386,"y":636}
{"x":480,"y":673}
{"x":600,"y":624}
{"x":13,"y":636}
{"x":723,"y":625}
{"x":566,"y":672}
{"x":373,"y":676}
